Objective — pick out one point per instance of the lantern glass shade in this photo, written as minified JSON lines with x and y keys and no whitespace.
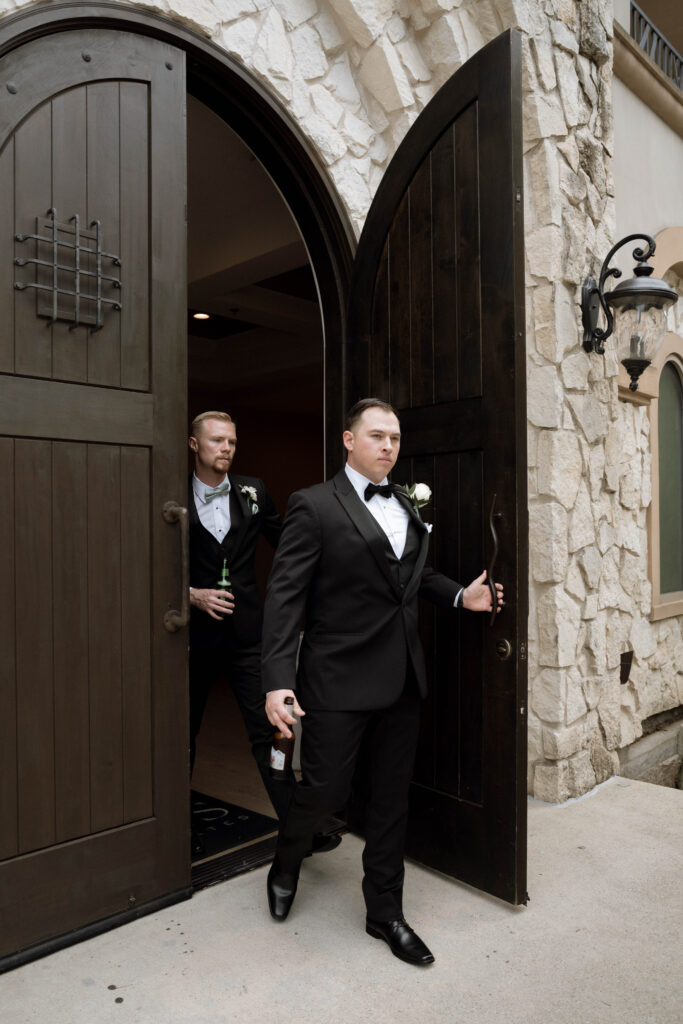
{"x":639,"y":332}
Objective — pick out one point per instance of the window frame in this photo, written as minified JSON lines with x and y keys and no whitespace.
{"x":664,"y":606}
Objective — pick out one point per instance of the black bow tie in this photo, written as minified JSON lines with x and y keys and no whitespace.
{"x":384,"y":490}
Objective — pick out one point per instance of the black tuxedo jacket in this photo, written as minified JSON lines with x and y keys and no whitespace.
{"x":239,"y":548}
{"x":335,"y":567}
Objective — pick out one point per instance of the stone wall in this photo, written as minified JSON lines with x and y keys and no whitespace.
{"x":355,"y":74}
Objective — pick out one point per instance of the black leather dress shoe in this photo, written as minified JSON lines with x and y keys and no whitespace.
{"x":402,"y":940}
{"x":281,"y":892}
{"x":322,"y":843}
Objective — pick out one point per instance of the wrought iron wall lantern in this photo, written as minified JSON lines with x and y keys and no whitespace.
{"x":640,"y":305}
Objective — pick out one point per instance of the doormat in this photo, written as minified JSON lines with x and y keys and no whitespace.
{"x":222,"y":826}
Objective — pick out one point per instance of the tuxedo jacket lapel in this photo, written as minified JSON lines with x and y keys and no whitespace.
{"x":363,"y":522}
{"x":239,"y":528}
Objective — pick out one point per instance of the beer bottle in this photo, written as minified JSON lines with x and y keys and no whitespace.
{"x":224,"y":584}
{"x":282,"y":750}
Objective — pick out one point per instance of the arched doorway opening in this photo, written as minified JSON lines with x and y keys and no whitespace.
{"x":255,"y":350}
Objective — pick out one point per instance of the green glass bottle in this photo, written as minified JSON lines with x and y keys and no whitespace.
{"x":224,"y":584}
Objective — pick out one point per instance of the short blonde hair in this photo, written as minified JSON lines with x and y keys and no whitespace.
{"x":198,"y":422}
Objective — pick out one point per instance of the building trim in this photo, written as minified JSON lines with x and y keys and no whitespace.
{"x":642,"y":76}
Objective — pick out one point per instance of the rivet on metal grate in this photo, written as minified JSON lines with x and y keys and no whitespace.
{"x":67,"y":256}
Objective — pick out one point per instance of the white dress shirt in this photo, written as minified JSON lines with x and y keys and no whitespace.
{"x":389,"y":512}
{"x":214,"y":514}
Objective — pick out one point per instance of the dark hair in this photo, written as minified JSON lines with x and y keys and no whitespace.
{"x":357,"y":410}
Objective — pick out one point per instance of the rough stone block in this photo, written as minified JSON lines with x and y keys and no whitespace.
{"x":605,"y":763}
{"x":545,"y":67}
{"x":326,"y":104}
{"x":544,"y":396}
{"x":231,"y":10}
{"x":593,"y":42}
{"x":239,"y":39}
{"x":295,"y":12}
{"x":358,"y":134}
{"x":574,"y":583}
{"x":556,"y":324}
{"x":309,"y":55}
{"x":341,"y":82}
{"x":559,"y":466}
{"x":364,"y":21}
{"x":590,"y":608}
{"x":563,"y":36}
{"x":550,"y":783}
{"x":543,"y":117}
{"x":643,"y":639}
{"x":591,"y":416}
{"x":548,"y":695}
{"x":544,"y":249}
{"x":412,"y":61}
{"x":444,"y":44}
{"x":382,"y":74}
{"x":559,"y":619}
{"x":273,"y":53}
{"x":580,"y":773}
{"x":575,"y":702}
{"x":561,"y":743}
{"x":328,"y":30}
{"x":545,"y":183}
{"x":581,"y":528}
{"x":548,"y":542}
{"x":590,"y":563}
{"x":569,"y":86}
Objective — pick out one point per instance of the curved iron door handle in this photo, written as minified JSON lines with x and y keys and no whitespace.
{"x":490,"y":581}
{"x":175,"y":513}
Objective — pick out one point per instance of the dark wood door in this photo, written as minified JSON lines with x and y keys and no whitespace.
{"x":93,"y":720}
{"x":436,"y":326}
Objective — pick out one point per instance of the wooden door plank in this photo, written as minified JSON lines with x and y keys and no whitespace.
{"x":7,"y":291}
{"x":69,"y":191}
{"x":467,"y":214}
{"x":104,"y":632}
{"x":446,"y":297}
{"x":421,"y":285}
{"x":33,"y":196}
{"x":136,"y":634}
{"x":400,"y":300}
{"x":70,"y":603}
{"x":37,"y":408}
{"x":34,"y":640}
{"x":104,"y":346}
{"x":9,"y":840}
{"x":378,"y":355}
{"x":134,"y":314}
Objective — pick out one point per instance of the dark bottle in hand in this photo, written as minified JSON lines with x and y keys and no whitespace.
{"x":282,"y":750}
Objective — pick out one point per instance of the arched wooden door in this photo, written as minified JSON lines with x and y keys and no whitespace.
{"x":436,"y":326}
{"x":93,"y":720}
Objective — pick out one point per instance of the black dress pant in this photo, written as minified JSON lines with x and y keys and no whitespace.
{"x":330,"y":746}
{"x":242,"y":667}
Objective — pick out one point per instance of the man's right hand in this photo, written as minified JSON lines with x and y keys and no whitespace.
{"x":214,"y":602}
{"x":279,"y":714}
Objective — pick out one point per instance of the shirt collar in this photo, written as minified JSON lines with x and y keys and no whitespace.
{"x":200,"y":488}
{"x":359,"y":481}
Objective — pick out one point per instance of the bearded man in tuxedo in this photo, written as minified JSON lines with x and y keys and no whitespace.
{"x":352,"y":561}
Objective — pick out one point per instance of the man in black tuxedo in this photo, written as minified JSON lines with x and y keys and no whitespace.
{"x":352,"y":560}
{"x":228,"y":514}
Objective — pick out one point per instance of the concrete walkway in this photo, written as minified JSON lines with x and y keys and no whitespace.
{"x":600,"y":941}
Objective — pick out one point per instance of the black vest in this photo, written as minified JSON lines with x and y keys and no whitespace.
{"x":206,"y":553}
{"x":402,"y":567}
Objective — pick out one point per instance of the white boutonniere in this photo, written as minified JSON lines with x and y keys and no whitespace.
{"x":418,"y":495}
{"x":251,"y":496}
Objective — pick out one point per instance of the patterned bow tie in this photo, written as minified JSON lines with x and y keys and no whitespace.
{"x":384,"y":490}
{"x":212,"y":492}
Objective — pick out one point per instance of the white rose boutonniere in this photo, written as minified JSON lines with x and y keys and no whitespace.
{"x":251,"y":496}
{"x":418,"y":495}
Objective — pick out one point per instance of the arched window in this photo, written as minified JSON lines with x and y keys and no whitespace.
{"x":670,"y":435}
